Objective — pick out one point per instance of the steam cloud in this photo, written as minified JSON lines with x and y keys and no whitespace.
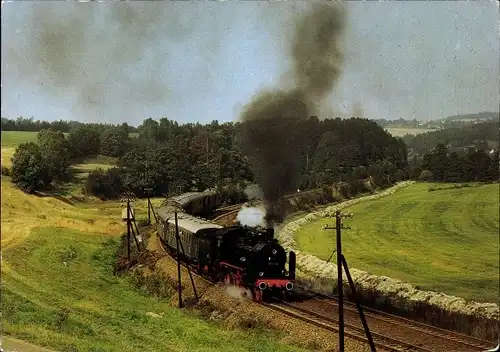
{"x":317,"y":57}
{"x":238,"y":292}
{"x":251,"y":217}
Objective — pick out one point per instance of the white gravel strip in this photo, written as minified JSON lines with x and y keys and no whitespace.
{"x":398,"y":290}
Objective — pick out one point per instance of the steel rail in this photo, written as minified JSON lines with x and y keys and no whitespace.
{"x":466,"y":340}
{"x":382,"y":341}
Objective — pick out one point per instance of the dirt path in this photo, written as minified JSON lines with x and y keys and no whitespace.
{"x":9,"y":344}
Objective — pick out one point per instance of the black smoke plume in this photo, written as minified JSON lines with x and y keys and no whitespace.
{"x":112,"y":58}
{"x":270,"y":136}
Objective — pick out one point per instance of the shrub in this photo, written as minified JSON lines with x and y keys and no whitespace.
{"x":83,"y":141}
{"x":426,"y":175}
{"x":156,"y":284}
{"x":55,"y":153}
{"x":114,"y":142}
{"x":232,"y":195}
{"x":29,"y":172}
{"x":104,"y":184}
{"x":6,"y":171}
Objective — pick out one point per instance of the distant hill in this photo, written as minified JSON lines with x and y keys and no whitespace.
{"x":482,"y":135}
{"x":483,"y":116}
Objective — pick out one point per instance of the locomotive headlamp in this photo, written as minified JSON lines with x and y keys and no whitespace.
{"x":261,"y":274}
{"x":243,"y":259}
{"x":275,"y":251}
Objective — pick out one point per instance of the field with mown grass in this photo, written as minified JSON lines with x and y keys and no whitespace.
{"x":80,"y":168}
{"x":401,"y":131}
{"x":59,"y":291}
{"x":443,"y":240}
{"x":11,"y":139}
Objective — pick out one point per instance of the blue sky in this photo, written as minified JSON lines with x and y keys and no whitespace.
{"x":200,"y":61}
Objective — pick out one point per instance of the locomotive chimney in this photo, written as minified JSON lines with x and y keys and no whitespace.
{"x":270,"y":233}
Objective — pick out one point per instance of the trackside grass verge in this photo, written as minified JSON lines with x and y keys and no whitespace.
{"x":59,"y":291}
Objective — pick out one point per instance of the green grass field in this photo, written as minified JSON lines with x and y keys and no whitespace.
{"x":400,"y":132}
{"x":445,"y":240}
{"x":14,"y":138}
{"x":11,"y":139}
{"x":58,"y":289}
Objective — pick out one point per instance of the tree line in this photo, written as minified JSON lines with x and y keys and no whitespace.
{"x":167,"y":157}
{"x":441,"y":165}
{"x":478,"y":135}
{"x":32,"y":125}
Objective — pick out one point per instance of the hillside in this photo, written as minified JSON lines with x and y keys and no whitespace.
{"x":444,"y":240}
{"x":485,"y":116}
{"x":59,"y":291}
{"x":482,"y":135}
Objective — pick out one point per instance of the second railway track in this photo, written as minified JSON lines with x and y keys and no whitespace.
{"x":386,"y":327}
{"x":435,"y":336}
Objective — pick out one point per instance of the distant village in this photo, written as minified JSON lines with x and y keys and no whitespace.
{"x":454,"y":121}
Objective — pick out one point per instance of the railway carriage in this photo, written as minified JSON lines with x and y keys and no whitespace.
{"x":198,"y":203}
{"x":194,"y":234}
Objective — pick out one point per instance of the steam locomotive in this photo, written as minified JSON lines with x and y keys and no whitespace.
{"x":239,"y":255}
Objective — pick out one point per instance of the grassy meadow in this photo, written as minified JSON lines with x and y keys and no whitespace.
{"x":401,"y":131}
{"x":442,"y":240}
{"x":14,"y":138}
{"x":59,"y":291}
{"x":80,"y":170}
{"x":11,"y":139}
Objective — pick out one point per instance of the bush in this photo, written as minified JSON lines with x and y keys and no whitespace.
{"x":114,"y":142}
{"x":83,"y":141}
{"x":6,"y":171}
{"x":29,"y":171}
{"x":55,"y":153}
{"x":232,"y":195}
{"x":426,"y":175}
{"x":104,"y":184}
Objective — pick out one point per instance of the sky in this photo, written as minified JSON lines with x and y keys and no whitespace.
{"x":202,"y":61}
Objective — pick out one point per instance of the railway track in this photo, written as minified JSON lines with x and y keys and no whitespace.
{"x":391,"y":330}
{"x":384,"y":342}
{"x":429,"y":335}
{"x":224,"y":212}
{"x":230,"y":210}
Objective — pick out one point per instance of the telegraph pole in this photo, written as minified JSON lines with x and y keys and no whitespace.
{"x":340,"y":287}
{"x":177,"y":239}
{"x":340,"y":283}
{"x":128,"y":229}
{"x":148,"y":191}
{"x":127,"y":217}
{"x":341,"y":262}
